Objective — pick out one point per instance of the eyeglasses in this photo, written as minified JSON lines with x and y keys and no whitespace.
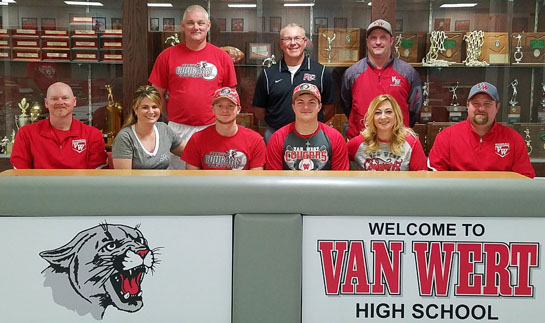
{"x":297,"y":39}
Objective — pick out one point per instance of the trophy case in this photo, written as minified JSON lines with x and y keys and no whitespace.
{"x":46,"y":42}
{"x":501,"y":42}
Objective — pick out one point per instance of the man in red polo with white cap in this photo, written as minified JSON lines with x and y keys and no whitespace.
{"x":380,"y":73}
{"x":225,"y":145}
{"x":307,"y":144}
{"x":480,"y":143}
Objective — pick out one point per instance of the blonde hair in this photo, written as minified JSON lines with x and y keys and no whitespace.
{"x":145,"y":91}
{"x":398,"y":130}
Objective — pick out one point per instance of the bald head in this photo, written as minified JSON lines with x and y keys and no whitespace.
{"x":60,"y":102}
{"x":59,"y":87}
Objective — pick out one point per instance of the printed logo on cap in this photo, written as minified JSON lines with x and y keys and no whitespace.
{"x":482,"y":86}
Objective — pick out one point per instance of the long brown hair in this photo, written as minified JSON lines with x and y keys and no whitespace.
{"x":145,"y":91}
{"x":398,"y":130}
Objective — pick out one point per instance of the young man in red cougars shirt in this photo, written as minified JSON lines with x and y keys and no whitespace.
{"x":307,"y":144}
{"x":59,"y":141}
{"x":380,"y":73}
{"x":225,"y":145}
{"x":480,"y":143}
{"x":191,"y":71}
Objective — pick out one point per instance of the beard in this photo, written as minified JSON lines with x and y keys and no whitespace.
{"x":480,"y":119}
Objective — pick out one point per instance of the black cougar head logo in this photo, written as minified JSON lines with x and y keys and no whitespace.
{"x":101,"y":266}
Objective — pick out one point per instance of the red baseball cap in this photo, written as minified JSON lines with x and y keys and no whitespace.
{"x":227,"y":93}
{"x":306,"y":88}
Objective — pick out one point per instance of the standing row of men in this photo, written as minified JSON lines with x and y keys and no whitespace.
{"x":193,"y":70}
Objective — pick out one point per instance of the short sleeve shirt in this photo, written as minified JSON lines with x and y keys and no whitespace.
{"x":128,"y":146}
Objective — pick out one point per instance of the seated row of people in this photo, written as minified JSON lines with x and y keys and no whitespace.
{"x":479,"y":143}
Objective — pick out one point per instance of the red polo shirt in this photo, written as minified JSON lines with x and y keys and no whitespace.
{"x":38,"y":146}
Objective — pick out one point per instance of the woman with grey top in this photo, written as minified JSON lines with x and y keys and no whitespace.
{"x":144,"y":143}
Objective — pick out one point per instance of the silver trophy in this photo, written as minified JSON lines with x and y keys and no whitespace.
{"x":518,"y":53}
{"x":23,"y":118}
{"x":456,"y":113}
{"x":513,"y":101}
{"x":454,"y":101}
{"x":329,"y":48}
{"x":426,"y":93}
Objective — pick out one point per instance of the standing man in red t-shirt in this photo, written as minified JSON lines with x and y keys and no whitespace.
{"x":191,"y":71}
{"x":59,"y":141}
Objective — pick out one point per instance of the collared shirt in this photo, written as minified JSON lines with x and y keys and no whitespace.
{"x":38,"y":146}
{"x":274,"y":90}
{"x":362,"y":82}
{"x":460,"y":148}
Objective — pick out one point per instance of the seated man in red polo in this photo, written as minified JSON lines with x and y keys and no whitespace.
{"x":225,"y":145}
{"x":307,"y":144}
{"x":59,"y":141}
{"x":480,"y":143}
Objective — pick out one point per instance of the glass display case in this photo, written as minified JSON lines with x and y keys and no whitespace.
{"x":42,"y":42}
{"x":83,"y":45}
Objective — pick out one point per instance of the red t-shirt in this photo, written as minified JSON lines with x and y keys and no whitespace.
{"x":191,"y":77}
{"x":37,"y":145}
{"x":207,"y":149}
{"x":460,"y":148}
{"x":325,"y":149}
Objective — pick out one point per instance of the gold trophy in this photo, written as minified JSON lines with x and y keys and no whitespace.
{"x":113,"y":118}
{"x":35,"y":112}
{"x":23,"y":118}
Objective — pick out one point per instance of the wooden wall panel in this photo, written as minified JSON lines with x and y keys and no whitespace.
{"x":135,"y":73}
{"x":384,"y":9}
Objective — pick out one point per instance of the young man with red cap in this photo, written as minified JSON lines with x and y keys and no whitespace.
{"x":380,"y":73}
{"x":307,"y":144}
{"x":480,"y":143}
{"x":225,"y":145}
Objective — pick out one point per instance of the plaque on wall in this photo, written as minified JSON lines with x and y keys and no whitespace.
{"x":452,"y":45}
{"x":85,"y":56}
{"x":57,"y":55}
{"x":55,"y":33}
{"x":338,"y":46}
{"x":26,"y":54}
{"x":495,"y":49}
{"x":532,"y":48}
{"x":408,"y":47}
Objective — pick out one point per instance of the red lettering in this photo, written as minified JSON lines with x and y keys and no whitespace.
{"x":433,"y":266}
{"x":387,"y":265}
{"x":356,"y":270}
{"x":524,"y":256}
{"x":469,"y":283}
{"x":332,"y":257}
{"x":497,"y":275}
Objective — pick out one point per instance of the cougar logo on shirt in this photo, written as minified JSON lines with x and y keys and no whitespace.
{"x":231,"y":159}
{"x":311,"y":158}
{"x":79,"y":145}
{"x":502,"y":149}
{"x":395,"y":81}
{"x":202,"y":69}
{"x":100,"y":266}
{"x":309,"y":77}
